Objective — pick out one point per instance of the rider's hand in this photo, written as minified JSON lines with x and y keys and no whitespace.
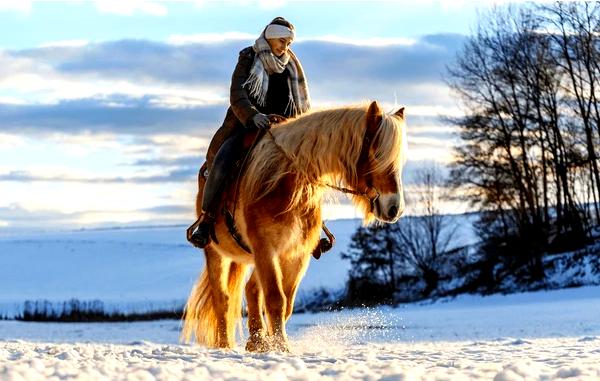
{"x":261,"y":121}
{"x":275,"y":119}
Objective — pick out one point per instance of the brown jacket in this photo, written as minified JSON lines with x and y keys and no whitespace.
{"x":242,"y":109}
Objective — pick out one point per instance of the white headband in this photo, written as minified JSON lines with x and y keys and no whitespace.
{"x":277,"y":31}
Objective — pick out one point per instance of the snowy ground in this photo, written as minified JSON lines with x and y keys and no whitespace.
{"x":532,"y":336}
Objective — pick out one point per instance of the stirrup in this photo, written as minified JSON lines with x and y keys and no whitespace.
{"x":325,"y":244}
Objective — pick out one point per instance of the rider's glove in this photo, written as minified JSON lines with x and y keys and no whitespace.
{"x":261,"y":121}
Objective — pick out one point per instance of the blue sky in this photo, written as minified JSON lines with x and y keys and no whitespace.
{"x":107,"y":107}
{"x":32,"y":24}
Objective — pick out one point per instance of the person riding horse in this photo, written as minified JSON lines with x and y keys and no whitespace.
{"x":267,"y":82}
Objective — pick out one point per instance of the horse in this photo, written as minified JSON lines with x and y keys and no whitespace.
{"x":279,"y":218}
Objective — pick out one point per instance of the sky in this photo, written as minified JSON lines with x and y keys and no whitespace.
{"x":107,"y":107}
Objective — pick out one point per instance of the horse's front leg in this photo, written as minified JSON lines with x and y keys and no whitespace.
{"x":218,"y":269}
{"x":269,"y":275}
{"x":256,"y":323}
{"x":292,"y":271}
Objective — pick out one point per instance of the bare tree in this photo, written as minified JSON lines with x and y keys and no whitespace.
{"x":528,"y":84}
{"x":424,"y":238}
{"x":373,"y":254}
{"x":574,"y":28}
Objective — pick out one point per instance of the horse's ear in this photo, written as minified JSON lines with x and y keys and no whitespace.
{"x":400,"y":112}
{"x":374,"y":117}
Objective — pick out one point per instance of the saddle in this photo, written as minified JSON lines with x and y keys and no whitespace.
{"x":229,"y":197}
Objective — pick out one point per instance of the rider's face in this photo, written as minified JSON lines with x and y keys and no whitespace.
{"x":279,"y":46}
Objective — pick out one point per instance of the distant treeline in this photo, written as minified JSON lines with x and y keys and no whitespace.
{"x":76,"y":311}
{"x":404,"y":262}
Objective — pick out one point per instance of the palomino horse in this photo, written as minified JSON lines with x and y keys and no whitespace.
{"x":279,"y":218}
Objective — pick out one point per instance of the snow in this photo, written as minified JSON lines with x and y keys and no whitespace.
{"x":500,"y":361}
{"x":548,"y":335}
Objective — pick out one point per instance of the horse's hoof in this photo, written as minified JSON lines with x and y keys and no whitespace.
{"x":280,"y":346}
{"x":257,"y":344}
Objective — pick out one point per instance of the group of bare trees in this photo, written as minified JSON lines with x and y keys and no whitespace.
{"x":529,"y":81}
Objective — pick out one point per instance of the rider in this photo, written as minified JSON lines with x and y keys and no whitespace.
{"x":268,"y":79}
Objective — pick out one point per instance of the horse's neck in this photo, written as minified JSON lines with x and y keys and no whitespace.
{"x":324,"y":160}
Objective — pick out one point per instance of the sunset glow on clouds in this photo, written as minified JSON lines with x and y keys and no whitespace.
{"x":108,"y":125}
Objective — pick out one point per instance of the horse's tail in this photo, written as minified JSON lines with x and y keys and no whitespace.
{"x":200,"y":317}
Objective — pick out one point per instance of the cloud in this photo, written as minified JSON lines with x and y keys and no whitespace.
{"x":369,"y":42}
{"x":50,"y":75}
{"x":209,"y":38}
{"x":17,"y":217}
{"x":169,"y":209}
{"x":118,"y":7}
{"x":193,"y":161}
{"x":210,"y":59}
{"x":130,"y":7}
{"x":116,"y":114}
{"x":65,"y":43}
{"x":173,"y":176}
{"x":10,"y":141}
{"x":413,"y":72}
{"x":21,"y":6}
{"x":144,"y":87}
{"x":16,"y":214}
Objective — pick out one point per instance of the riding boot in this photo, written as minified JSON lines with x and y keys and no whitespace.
{"x":213,"y":188}
{"x":204,"y":230}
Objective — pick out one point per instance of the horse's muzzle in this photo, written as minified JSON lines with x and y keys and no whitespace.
{"x":389,"y":208}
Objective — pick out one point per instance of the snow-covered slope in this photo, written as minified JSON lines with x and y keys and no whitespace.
{"x":128,"y":269}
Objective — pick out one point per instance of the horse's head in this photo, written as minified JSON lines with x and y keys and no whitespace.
{"x":380,"y":165}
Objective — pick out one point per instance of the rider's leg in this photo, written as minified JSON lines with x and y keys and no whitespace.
{"x":217,"y":174}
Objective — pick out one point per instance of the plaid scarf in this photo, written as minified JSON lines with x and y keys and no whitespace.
{"x":266,"y":63}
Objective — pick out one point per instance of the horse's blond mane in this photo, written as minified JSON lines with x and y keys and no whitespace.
{"x":324,"y":147}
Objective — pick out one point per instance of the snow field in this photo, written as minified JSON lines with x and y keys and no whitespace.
{"x":129,"y":270}
{"x":549,"y":335}
{"x":499,"y":360}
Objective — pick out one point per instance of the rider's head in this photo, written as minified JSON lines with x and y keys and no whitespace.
{"x":279,"y":34}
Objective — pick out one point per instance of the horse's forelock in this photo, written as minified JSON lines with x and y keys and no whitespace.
{"x":390,"y":144}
